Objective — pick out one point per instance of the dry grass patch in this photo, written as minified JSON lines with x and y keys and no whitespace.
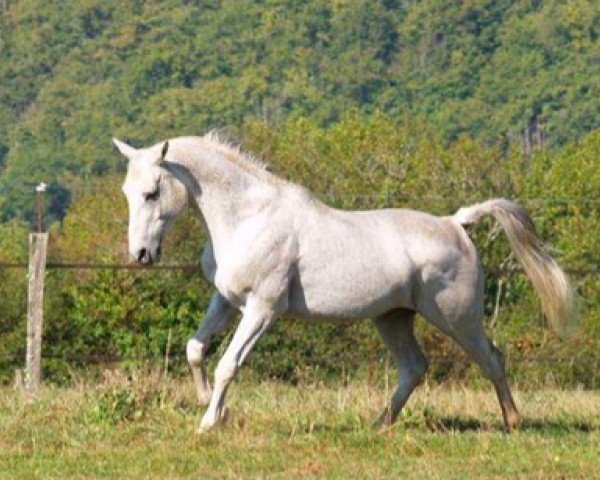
{"x":139,"y":426}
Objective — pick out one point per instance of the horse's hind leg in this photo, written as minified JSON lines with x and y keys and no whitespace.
{"x":396,"y":329}
{"x":467,"y":331}
{"x":472,"y":338}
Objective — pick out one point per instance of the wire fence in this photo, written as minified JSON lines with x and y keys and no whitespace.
{"x":507,"y":271}
{"x":303,"y":359}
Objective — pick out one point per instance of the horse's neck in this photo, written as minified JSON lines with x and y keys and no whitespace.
{"x":225,"y":193}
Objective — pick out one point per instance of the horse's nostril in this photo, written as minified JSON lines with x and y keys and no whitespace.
{"x":158,"y":252}
{"x":141,"y":254}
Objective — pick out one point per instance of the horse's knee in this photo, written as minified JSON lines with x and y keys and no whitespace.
{"x":194,"y":352}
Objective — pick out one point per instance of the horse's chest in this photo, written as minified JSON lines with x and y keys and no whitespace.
{"x":261,"y":268}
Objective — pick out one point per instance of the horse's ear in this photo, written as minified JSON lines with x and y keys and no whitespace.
{"x":163,"y":152}
{"x":127,"y":150}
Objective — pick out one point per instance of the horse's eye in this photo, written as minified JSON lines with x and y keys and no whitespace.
{"x":150,"y":197}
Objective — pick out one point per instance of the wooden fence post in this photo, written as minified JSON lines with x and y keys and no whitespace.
{"x":38,"y":245}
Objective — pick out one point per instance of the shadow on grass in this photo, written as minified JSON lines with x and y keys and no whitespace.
{"x":459,"y":424}
{"x":559,"y":425}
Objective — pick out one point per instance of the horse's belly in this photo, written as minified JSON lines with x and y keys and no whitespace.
{"x":340,"y":299}
{"x":351,"y":268}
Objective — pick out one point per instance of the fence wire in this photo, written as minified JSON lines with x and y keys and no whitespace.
{"x":388,"y":199}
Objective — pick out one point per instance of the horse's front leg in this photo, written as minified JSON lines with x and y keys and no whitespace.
{"x":217,"y":318}
{"x":257,"y":317}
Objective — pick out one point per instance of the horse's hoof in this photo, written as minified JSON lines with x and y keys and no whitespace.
{"x":204,"y":398}
{"x":384,"y":420}
{"x":205,"y":427}
{"x":512,"y":421}
{"x":208,"y":424}
{"x":202,"y":430}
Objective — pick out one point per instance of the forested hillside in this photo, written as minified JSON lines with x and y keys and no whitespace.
{"x":428,"y":104}
{"x":73,"y":73}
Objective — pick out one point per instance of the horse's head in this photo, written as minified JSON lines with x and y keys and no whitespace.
{"x":154,"y":196}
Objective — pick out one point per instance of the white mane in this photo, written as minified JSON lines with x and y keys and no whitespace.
{"x":234,"y":154}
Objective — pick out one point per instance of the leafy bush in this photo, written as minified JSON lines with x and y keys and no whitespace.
{"x":374,"y":162}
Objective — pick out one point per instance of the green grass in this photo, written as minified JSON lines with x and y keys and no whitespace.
{"x":144,"y":427}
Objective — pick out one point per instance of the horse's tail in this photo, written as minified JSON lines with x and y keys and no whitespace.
{"x":547,"y":277}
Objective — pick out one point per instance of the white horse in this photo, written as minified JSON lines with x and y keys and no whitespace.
{"x":276,"y":250}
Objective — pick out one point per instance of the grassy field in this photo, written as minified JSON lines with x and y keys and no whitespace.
{"x":144,"y":427}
